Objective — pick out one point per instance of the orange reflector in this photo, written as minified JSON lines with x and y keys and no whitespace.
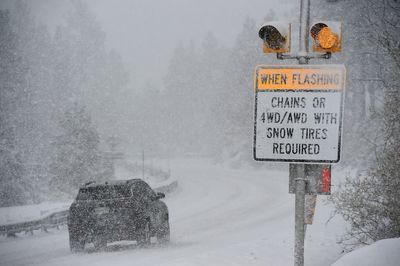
{"x":326,"y":38}
{"x":326,"y":179}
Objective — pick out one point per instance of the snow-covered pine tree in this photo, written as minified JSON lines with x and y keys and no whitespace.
{"x":12,"y":187}
{"x":238,"y":93}
{"x":77,"y":157}
{"x":180,"y":83}
{"x":211,"y":90}
{"x":371,"y":201}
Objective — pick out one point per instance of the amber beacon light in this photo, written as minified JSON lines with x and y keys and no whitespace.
{"x":326,"y":36}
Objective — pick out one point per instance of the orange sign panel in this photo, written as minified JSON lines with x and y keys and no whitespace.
{"x":281,"y":78}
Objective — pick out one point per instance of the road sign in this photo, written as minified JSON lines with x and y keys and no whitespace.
{"x":298,"y":113}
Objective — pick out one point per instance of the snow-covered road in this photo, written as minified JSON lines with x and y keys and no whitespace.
{"x":218,"y":216}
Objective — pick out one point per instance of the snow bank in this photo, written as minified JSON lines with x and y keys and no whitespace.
{"x":384,"y":252}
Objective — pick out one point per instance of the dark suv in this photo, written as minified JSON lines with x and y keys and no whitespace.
{"x":114,"y":211}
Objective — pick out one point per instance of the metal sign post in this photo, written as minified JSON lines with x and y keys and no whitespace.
{"x":300,"y":226}
{"x":299,"y":112}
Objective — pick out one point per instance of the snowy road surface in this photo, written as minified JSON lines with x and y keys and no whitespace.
{"x":218,"y":216}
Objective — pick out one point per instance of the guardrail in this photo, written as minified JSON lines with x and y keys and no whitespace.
{"x":57,"y":219}
{"x":54,"y":220}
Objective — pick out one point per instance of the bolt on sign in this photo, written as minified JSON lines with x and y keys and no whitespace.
{"x":298,"y":113}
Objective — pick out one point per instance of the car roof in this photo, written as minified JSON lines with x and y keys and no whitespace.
{"x":113,"y":183}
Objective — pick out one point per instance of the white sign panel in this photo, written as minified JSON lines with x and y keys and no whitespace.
{"x":298,"y":113}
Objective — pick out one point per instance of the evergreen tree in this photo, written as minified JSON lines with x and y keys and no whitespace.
{"x":41,"y":77}
{"x":239,"y":93}
{"x":211,"y":96}
{"x":180,"y":83}
{"x":212,"y":92}
{"x":77,"y":157}
{"x":85,"y":70}
{"x":371,"y":202}
{"x":34,"y":126}
{"x":12,"y":187}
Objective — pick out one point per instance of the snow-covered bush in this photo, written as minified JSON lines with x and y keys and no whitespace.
{"x":371,"y":201}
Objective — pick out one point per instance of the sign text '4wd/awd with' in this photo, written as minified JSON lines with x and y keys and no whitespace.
{"x":298,"y":113}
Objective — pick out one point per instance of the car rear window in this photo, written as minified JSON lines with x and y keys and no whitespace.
{"x":104,"y":192}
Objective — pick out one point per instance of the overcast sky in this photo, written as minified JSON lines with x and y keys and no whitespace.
{"x":146,"y":32}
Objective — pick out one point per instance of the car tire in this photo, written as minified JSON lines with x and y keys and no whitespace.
{"x":100,"y":243}
{"x":76,"y":244}
{"x":163,"y":233}
{"x":144,"y":238}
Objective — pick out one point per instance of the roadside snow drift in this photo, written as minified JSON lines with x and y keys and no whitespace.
{"x":218,"y":216}
{"x":384,"y":252}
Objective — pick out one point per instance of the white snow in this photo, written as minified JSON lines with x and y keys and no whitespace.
{"x":384,"y":252}
{"x":218,"y":216}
